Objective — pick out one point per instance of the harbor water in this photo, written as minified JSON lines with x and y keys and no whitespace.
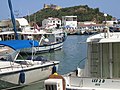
{"x":73,"y":51}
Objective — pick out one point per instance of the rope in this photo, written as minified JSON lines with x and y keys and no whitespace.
{"x":81,"y":60}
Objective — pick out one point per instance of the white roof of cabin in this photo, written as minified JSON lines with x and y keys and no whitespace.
{"x":100,"y":38}
{"x":22,"y":21}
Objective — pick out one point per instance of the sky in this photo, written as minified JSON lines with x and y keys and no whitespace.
{"x":27,"y":7}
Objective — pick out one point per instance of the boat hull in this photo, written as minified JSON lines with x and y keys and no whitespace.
{"x":43,"y":48}
{"x":82,"y":83}
{"x":31,"y":75}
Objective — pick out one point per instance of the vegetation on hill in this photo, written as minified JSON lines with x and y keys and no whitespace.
{"x":83,"y":13}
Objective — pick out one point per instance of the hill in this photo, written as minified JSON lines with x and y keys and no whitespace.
{"x":83,"y":13}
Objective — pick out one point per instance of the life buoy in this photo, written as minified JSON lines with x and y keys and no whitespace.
{"x":22,"y":77}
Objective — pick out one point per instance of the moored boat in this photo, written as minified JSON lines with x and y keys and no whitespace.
{"x":17,"y":71}
{"x":101,"y":71}
{"x":49,"y":40}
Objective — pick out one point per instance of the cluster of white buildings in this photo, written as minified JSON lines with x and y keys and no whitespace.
{"x":90,"y":27}
{"x":67,"y":23}
{"x":70,"y":24}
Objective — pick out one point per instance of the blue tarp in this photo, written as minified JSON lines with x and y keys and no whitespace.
{"x":19,"y":44}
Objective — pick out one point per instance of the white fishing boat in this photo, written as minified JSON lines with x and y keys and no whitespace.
{"x":49,"y":39}
{"x":17,"y":71}
{"x":102,"y":67}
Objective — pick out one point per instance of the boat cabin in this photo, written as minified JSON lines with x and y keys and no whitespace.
{"x":103,"y":56}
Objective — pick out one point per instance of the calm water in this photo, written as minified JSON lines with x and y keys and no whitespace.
{"x":74,"y":50}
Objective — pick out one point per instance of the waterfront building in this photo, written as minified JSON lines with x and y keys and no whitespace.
{"x":89,"y":27}
{"x":69,"y":22}
{"x":51,"y":22}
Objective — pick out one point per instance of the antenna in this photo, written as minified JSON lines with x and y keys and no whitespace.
{"x":107,"y":29}
{"x":28,"y":16}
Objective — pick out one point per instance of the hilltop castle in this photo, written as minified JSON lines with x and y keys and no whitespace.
{"x":52,"y":6}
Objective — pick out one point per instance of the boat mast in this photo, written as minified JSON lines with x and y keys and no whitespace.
{"x":106,"y":28}
{"x":110,"y":48}
{"x":13,"y":19}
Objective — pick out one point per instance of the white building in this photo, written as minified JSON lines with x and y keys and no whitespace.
{"x":69,"y":22}
{"x":51,"y":23}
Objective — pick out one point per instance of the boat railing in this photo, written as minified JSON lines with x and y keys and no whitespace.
{"x":6,"y":29}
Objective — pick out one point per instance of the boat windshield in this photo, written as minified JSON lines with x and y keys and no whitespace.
{"x":7,"y":54}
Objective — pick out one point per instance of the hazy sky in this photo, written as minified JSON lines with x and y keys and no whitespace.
{"x":24,"y":7}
